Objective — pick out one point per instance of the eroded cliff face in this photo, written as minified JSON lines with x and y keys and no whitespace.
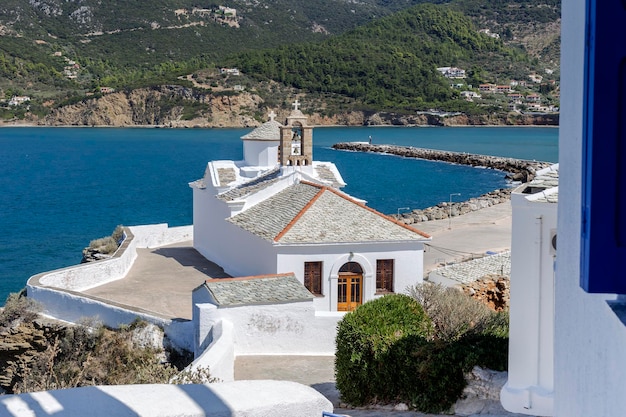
{"x":177,"y":106}
{"x":159,"y":106}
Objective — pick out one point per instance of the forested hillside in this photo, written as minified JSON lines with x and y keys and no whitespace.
{"x":389,"y":63}
{"x":368,"y":55}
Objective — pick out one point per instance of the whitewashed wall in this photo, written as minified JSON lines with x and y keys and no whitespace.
{"x":590,"y":340}
{"x":85,"y":276}
{"x":232,"y":399}
{"x":261,"y":152}
{"x":530,"y":385}
{"x":280,"y":329}
{"x":408,"y":266}
{"x":59,"y":291}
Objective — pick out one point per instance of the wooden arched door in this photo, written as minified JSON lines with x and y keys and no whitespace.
{"x":349,"y":287}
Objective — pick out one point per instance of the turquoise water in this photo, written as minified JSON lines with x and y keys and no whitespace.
{"x":62,"y":187}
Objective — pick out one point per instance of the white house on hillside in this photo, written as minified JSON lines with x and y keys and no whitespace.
{"x":279,"y":211}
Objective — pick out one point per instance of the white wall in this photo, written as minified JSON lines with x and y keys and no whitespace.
{"x":408,"y":266}
{"x":279,"y":329}
{"x":237,"y":251}
{"x":261,"y":152}
{"x":85,"y":276}
{"x":59,"y":291}
{"x":530,"y":385}
{"x":232,"y":399}
{"x":590,"y":340}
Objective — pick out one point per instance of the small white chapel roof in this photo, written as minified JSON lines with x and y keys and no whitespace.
{"x":262,"y":289}
{"x":309,"y":213}
{"x":269,"y":130}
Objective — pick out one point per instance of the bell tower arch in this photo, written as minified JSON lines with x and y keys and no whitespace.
{"x":296,"y":139}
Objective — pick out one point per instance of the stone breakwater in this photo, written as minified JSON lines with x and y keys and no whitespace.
{"x":444,"y":210}
{"x":516,"y":170}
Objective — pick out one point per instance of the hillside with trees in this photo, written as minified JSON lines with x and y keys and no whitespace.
{"x":372,"y":55}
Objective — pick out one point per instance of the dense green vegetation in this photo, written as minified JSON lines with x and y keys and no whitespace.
{"x":416,"y":349}
{"x":387,"y":64}
{"x":371,"y":55}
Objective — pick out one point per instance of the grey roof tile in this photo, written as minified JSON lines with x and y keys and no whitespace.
{"x":306,"y":213}
{"x":226,"y":176}
{"x":267,"y":131}
{"x":326,"y":174}
{"x":252,"y":186}
{"x":268,"y":218}
{"x":267,"y":289}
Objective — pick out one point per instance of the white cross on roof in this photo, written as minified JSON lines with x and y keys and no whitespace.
{"x":272,"y":115}
{"x":295,"y":105}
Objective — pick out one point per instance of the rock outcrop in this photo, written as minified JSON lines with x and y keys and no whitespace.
{"x":169,"y":106}
{"x":491,"y":290}
{"x":159,"y":106}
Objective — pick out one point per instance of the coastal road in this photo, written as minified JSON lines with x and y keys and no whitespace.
{"x":472,"y":234}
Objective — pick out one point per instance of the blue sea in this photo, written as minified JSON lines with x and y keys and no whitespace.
{"x":62,"y":187}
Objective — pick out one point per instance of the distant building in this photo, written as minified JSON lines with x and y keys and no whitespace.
{"x":229,"y":71}
{"x":487,"y":88}
{"x":503,"y":89}
{"x":107,"y":90}
{"x":452,"y":72}
{"x":17,"y":100}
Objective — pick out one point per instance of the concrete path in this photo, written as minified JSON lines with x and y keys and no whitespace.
{"x":471,"y":234}
{"x":161,"y":280}
{"x":317,"y":372}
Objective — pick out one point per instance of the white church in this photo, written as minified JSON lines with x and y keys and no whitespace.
{"x":280,"y":212}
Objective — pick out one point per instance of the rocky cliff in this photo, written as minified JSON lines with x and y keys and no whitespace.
{"x":160,"y":106}
{"x":178,"y":106}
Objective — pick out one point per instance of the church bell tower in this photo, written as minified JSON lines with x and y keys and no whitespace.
{"x":296,"y":139}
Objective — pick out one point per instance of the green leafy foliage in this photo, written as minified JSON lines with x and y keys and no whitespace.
{"x":389,"y":63}
{"x":416,"y":349}
{"x":367,"y":361}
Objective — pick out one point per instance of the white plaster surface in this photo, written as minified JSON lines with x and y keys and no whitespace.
{"x":590,"y":340}
{"x":234,"y":399}
{"x":290,"y":328}
{"x":530,"y":385}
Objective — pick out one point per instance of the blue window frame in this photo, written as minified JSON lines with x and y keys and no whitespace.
{"x":603,"y":240}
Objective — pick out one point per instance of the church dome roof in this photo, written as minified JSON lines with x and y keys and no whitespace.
{"x":267,"y":131}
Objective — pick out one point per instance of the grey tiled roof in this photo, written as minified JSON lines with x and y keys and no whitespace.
{"x":548,"y":198}
{"x":268,"y":289}
{"x":305,"y":213}
{"x":470,"y":271}
{"x":268,"y":218}
{"x":326,"y":174}
{"x":226,"y":175}
{"x":546,"y":180}
{"x":251,"y":186}
{"x":267,"y":131}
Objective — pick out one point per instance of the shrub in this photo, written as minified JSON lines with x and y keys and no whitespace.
{"x":367,"y":362}
{"x":452,"y":312}
{"x":417,"y":349}
{"x":18,"y":309}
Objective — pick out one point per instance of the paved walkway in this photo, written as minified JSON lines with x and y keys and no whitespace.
{"x":161,"y":280}
{"x":467,"y":236}
{"x":317,"y":372}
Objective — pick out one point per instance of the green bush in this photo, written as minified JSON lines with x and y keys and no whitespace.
{"x":417,"y":349}
{"x":367,"y":360}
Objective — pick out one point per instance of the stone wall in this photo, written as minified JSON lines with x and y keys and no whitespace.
{"x":516,"y":169}
{"x":445,"y":209}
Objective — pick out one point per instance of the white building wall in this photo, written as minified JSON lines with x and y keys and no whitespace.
{"x":237,"y":251}
{"x":278,"y":329}
{"x":262,"y":153}
{"x":530,"y":385}
{"x":590,"y":340}
{"x":408,"y":266}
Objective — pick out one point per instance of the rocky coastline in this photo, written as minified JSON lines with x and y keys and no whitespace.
{"x":515,"y":169}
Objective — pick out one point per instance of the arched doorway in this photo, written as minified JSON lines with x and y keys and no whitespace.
{"x":349,"y":286}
